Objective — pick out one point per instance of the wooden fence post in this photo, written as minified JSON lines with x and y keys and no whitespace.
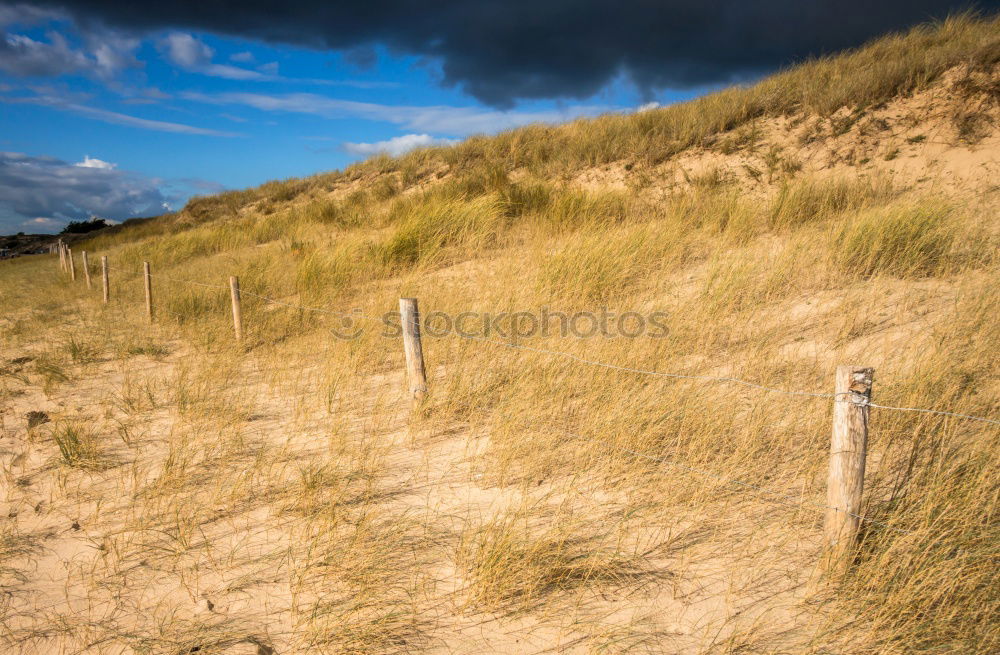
{"x":234,"y":291}
{"x":410,"y":319}
{"x":147,"y":280}
{"x":86,"y":269}
{"x":848,"y":447}
{"x":72,"y":264}
{"x":62,"y":256}
{"x":104,"y":278}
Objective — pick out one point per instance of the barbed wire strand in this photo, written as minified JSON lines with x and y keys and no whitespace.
{"x":607,"y":365}
{"x":138,"y":276}
{"x":765,"y":493}
{"x":934,"y":411}
{"x":784,"y":499}
{"x":775,"y":496}
{"x":267,"y":299}
{"x":351,"y":315}
{"x":616,"y":367}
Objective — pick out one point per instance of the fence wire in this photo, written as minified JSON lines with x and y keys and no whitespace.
{"x":592,"y":362}
{"x":763,"y":492}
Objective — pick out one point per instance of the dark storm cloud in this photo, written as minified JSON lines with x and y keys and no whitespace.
{"x":502,"y":50}
{"x":41,"y":193}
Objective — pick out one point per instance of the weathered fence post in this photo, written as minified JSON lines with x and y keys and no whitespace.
{"x":104,"y":278}
{"x":234,"y":291}
{"x":147,"y":280}
{"x":86,"y":269}
{"x":848,"y":447}
{"x":62,"y":256}
{"x":72,"y":264}
{"x":410,"y":319}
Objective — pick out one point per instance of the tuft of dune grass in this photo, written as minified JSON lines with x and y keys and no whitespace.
{"x":905,"y":241}
{"x":424,"y":230}
{"x":522,"y":556}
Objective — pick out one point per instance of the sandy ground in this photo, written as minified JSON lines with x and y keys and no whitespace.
{"x":190,"y":532}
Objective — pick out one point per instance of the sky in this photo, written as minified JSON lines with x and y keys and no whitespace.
{"x":113,"y":109}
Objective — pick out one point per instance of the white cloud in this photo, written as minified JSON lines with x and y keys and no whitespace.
{"x":154,"y":93}
{"x":112,"y":52}
{"x":186,"y":51}
{"x":397,"y":145}
{"x":647,"y":106}
{"x":233,"y":73}
{"x":195,"y":56}
{"x":114,"y":117}
{"x":106,"y":54}
{"x":42,"y":222}
{"x":94,"y":162}
{"x":144,"y":123}
{"x":147,"y":95}
{"x":46,"y":192}
{"x":440,"y":119}
{"x":25,"y":57}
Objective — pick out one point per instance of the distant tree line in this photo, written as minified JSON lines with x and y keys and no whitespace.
{"x":82,"y":227}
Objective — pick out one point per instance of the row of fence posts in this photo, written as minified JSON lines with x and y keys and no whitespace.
{"x":848,"y":446}
{"x":66,"y":264}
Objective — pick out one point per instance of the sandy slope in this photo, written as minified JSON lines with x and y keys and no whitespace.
{"x":279,"y":502}
{"x":121,"y":558}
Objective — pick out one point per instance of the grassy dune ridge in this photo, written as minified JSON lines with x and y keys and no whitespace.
{"x":511,"y":505}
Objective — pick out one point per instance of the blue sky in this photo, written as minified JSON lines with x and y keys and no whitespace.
{"x":184,"y":113}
